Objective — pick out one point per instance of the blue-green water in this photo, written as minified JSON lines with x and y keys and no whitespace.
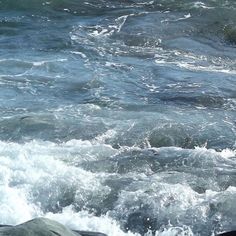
{"x":119,"y":116}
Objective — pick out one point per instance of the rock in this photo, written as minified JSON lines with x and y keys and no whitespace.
{"x":42,"y":227}
{"x":231,"y":233}
{"x":87,"y":233}
{"x":37,"y":227}
{"x":230,"y":33}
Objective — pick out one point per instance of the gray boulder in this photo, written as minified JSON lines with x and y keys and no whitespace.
{"x":42,"y":227}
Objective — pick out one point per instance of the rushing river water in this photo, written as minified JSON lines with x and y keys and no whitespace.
{"x":119,"y":116}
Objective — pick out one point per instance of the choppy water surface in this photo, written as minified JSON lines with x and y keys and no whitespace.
{"x":119,"y":116}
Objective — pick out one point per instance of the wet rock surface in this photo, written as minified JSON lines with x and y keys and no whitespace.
{"x":42,"y":227}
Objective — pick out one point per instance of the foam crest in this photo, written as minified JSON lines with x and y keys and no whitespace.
{"x":36,"y":176}
{"x":85,"y":221}
{"x":14,"y":206}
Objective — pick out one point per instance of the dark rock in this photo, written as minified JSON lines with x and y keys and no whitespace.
{"x":37,"y":227}
{"x":42,"y":227}
{"x":231,"y":233}
{"x":87,"y":233}
{"x":230,"y":33}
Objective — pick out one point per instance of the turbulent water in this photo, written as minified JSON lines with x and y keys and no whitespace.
{"x":119,"y":116}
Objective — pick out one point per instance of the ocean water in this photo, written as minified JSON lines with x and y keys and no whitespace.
{"x":119,"y":116}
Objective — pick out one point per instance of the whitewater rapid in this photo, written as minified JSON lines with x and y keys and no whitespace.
{"x":39,"y":178}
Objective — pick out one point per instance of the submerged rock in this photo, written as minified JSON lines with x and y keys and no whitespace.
{"x":42,"y":227}
{"x":230,"y":33}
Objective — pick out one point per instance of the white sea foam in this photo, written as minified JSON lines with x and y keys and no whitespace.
{"x":193,"y":62}
{"x":201,"y":5}
{"x":172,"y":231}
{"x":37,"y":176}
{"x":40,"y":63}
{"x":35,"y":168}
{"x":226,"y":153}
{"x":41,"y":166}
{"x":85,"y":221}
{"x":178,"y":19}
